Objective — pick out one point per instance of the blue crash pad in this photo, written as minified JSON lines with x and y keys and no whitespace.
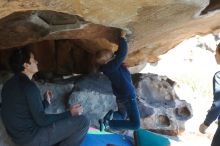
{"x":147,"y":138}
{"x":97,"y":138}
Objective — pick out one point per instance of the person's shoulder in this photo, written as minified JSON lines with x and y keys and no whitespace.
{"x":26,"y":83}
{"x":217,"y":75}
{"x":10,"y":81}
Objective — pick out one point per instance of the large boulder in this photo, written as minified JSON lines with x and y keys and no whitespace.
{"x":94,"y":93}
{"x":160,"y":108}
{"x":169,"y":112}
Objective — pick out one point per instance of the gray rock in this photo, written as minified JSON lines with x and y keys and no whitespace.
{"x":60,"y":98}
{"x":94,"y":93}
{"x":166,"y":114}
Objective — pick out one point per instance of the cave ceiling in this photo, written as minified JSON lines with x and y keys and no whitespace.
{"x":153,"y":26}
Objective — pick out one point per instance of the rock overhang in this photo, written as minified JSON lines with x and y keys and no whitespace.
{"x":154,"y":26}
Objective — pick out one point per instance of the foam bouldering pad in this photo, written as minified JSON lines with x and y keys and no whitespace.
{"x":146,"y":138}
{"x":97,"y":138}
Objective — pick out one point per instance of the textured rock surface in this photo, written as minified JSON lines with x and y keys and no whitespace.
{"x":94,"y":93}
{"x":60,"y":93}
{"x":160,"y":108}
{"x":154,"y":26}
{"x":169,"y":112}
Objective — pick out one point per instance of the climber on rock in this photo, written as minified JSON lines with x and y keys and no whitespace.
{"x":127,"y":116}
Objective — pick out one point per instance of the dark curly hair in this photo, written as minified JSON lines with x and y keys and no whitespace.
{"x":18,"y":58}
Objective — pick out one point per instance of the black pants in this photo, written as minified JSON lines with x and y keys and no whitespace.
{"x":66,"y":132}
{"x":216,"y":138}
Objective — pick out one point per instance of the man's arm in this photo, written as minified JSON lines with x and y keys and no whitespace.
{"x":47,"y":98}
{"x":121,"y":53}
{"x":214,"y":111}
{"x":36,"y":107}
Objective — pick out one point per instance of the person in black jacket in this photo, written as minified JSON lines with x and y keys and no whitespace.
{"x":127,"y":116}
{"x":214,"y":111}
{"x":23,"y":110}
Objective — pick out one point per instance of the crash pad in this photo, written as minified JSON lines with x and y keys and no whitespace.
{"x":97,"y":138}
{"x":147,"y":138}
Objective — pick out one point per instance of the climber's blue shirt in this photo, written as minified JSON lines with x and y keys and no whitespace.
{"x":118,"y":74}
